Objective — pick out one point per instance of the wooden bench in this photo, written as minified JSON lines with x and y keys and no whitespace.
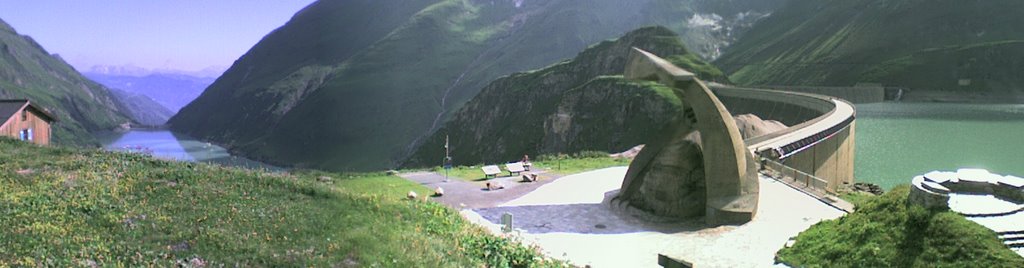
{"x":491,"y":171}
{"x":515,"y":168}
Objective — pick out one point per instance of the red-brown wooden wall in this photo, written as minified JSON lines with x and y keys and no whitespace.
{"x":11,"y":127}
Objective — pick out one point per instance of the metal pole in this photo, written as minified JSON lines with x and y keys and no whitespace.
{"x":447,"y":159}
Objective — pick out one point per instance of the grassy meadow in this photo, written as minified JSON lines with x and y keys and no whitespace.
{"x":74,"y":207}
{"x":554,"y":164}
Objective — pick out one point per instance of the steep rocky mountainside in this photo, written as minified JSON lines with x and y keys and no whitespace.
{"x":962,"y":47}
{"x":576,"y":105}
{"x":141,"y":108}
{"x":355,"y":85}
{"x":27,"y":71}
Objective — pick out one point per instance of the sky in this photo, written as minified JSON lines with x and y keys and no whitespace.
{"x":154,"y":34}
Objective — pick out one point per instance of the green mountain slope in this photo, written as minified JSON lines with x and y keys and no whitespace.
{"x":27,"y":71}
{"x":810,"y":42}
{"x":355,"y":85}
{"x":140,"y":108}
{"x":985,"y":72}
{"x":572,"y":106}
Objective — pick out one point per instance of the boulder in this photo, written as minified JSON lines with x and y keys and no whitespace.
{"x":873,"y":189}
{"x":491,"y":186}
{"x":751,"y":126}
{"x":672,"y":185}
{"x":630,"y":154}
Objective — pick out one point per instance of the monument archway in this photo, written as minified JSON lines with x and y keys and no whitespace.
{"x":729,"y":173}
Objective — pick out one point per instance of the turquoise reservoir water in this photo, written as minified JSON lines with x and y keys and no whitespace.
{"x":168,"y":145}
{"x":896,"y":141}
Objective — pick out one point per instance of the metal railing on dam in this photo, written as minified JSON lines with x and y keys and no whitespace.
{"x":798,"y":179}
{"x":819,"y":141}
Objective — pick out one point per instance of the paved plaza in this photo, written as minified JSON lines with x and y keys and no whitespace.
{"x":567,"y":219}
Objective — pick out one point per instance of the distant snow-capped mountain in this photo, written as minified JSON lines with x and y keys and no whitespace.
{"x":171,"y":89}
{"x":132,"y":70}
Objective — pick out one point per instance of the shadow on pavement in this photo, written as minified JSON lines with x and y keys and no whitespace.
{"x":582,"y":218}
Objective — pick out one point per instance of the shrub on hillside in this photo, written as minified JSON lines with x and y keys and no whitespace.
{"x":887,"y":232}
{"x":576,"y":155}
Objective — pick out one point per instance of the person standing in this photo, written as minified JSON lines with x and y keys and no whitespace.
{"x":526,"y":162}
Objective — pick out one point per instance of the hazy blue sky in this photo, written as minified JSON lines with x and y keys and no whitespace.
{"x":178,"y":34}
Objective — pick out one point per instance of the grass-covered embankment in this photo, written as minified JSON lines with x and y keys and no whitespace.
{"x":69,"y":207}
{"x":554,"y":164}
{"x":885,"y":232}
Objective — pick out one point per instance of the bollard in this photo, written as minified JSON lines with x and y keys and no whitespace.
{"x":506,"y":221}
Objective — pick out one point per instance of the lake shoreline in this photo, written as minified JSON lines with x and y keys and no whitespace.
{"x":961,"y":97}
{"x":166,"y":144}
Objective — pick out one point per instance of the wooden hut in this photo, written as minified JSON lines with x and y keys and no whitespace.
{"x":20,"y":119}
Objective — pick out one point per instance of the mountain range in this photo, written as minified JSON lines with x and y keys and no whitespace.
{"x":360,"y":85}
{"x":211,"y":72}
{"x":357,"y":85}
{"x":172,"y":90}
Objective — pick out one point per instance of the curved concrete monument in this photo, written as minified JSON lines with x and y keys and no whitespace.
{"x":729,"y":175}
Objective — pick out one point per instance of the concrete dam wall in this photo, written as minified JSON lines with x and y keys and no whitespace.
{"x":820,"y":137}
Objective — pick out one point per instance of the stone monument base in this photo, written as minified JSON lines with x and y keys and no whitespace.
{"x":731,"y":210}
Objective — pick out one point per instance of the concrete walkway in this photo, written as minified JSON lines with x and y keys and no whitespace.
{"x":819,"y":194}
{"x":568,"y":220}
